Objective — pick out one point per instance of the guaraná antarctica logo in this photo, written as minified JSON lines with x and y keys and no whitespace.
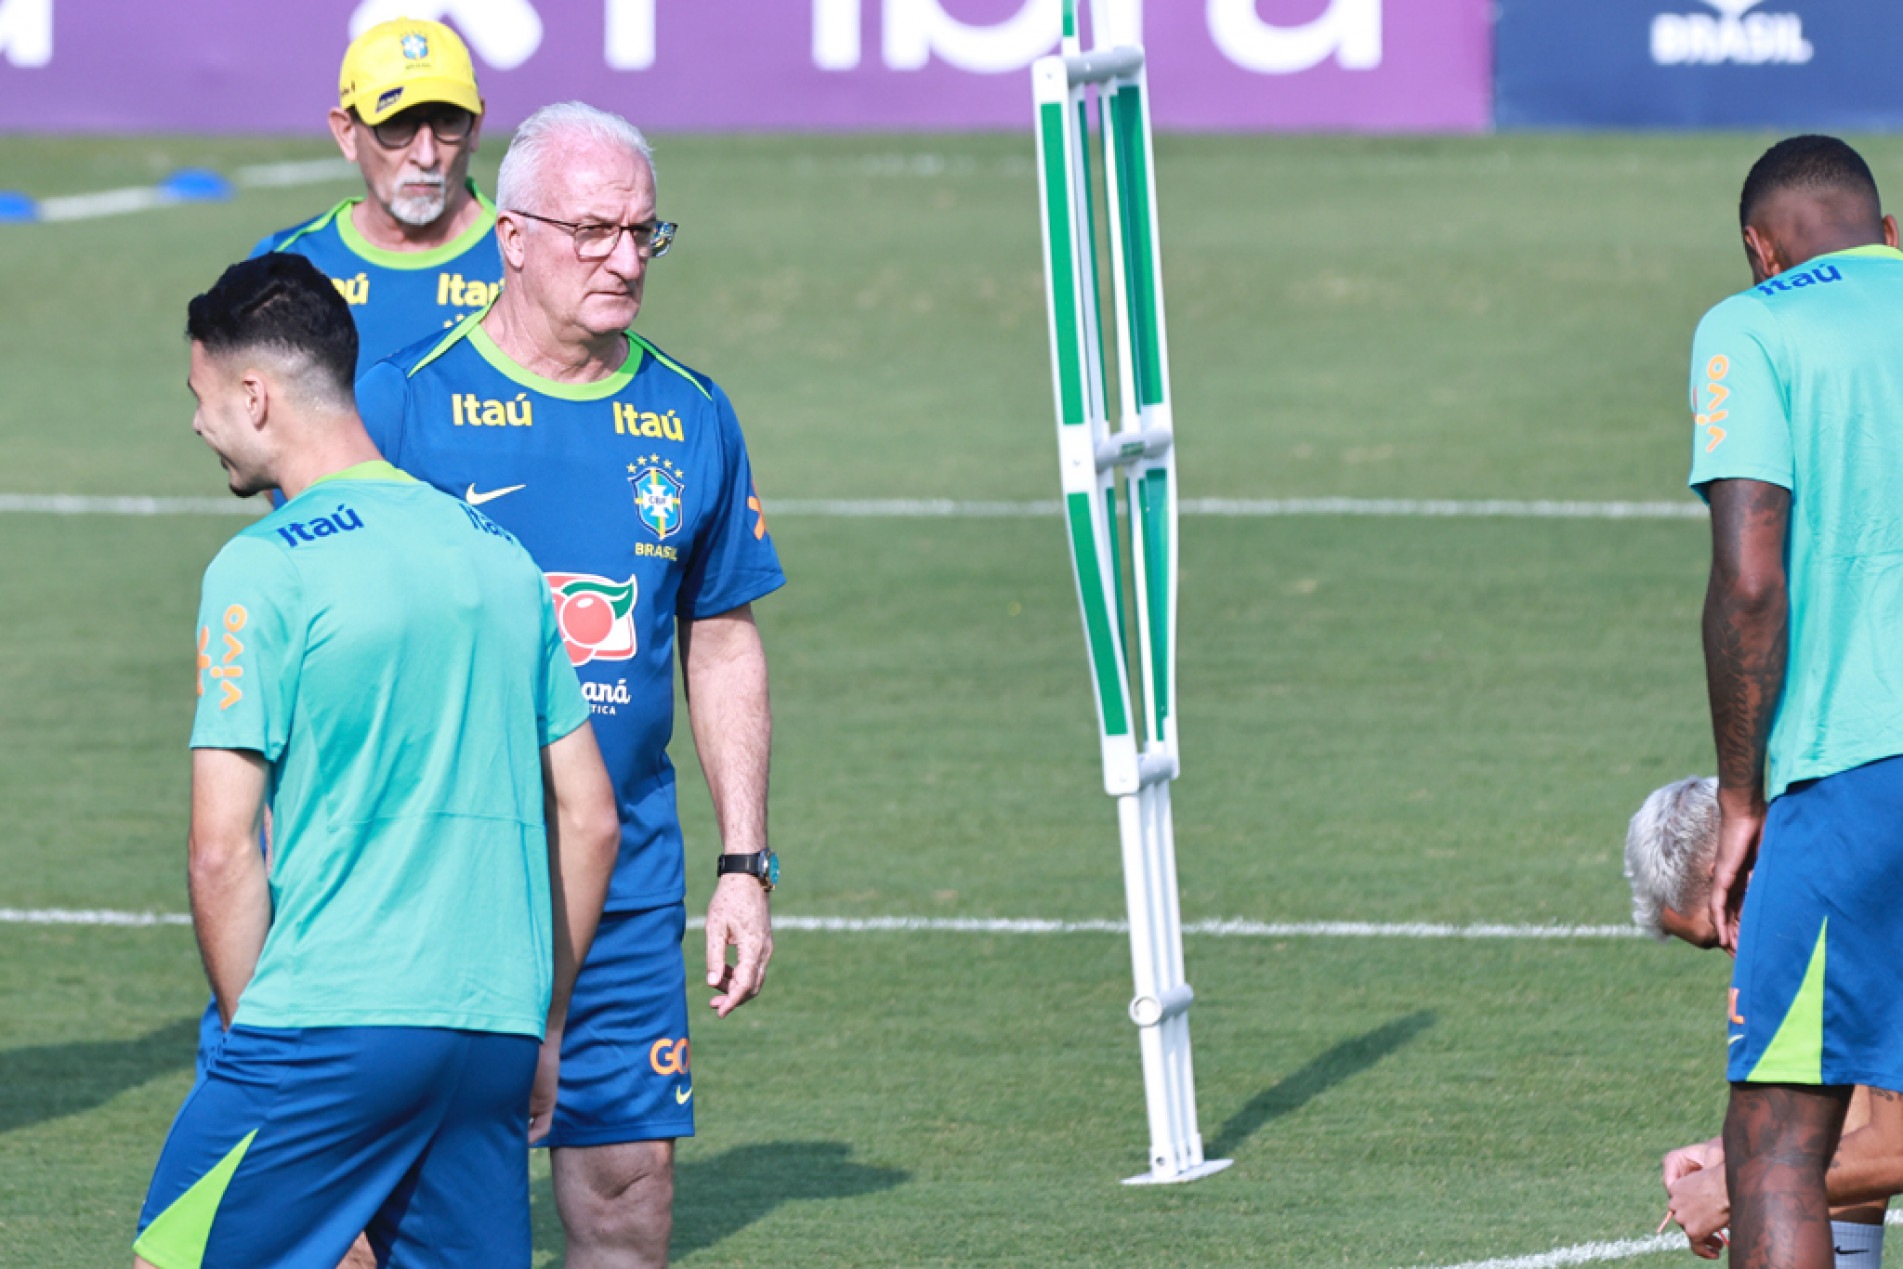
{"x":595,"y":616}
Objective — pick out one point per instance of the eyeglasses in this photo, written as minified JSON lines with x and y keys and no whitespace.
{"x":450,"y":124}
{"x":597,"y":242}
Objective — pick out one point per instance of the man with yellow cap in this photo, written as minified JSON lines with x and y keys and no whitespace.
{"x":416,"y":252}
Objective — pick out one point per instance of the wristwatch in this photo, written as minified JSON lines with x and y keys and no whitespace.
{"x":762,"y":864}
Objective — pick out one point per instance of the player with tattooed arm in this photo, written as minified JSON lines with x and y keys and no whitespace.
{"x":1798,"y":446}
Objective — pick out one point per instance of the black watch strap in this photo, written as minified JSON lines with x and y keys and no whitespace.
{"x":763,"y":865}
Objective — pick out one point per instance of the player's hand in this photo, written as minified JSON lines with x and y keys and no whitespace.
{"x":548,"y":1071}
{"x":1740,"y":826}
{"x":1686,"y":1160}
{"x":738,"y":917}
{"x":1701,"y":1208}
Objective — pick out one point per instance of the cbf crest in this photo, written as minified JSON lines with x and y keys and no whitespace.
{"x":415,"y":47}
{"x":657,"y":495}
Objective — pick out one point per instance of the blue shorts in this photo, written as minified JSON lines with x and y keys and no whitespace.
{"x":1815,"y":995}
{"x":296,"y":1140}
{"x":625,"y":1071}
{"x":211,"y":1036}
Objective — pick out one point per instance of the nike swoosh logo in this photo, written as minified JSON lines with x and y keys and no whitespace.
{"x":1733,"y":1040}
{"x":1845,"y":1251}
{"x":477,"y":499}
{"x":682,"y":1094}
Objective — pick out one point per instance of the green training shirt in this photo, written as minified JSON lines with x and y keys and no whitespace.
{"x":1798,"y":382}
{"x":394,"y":656}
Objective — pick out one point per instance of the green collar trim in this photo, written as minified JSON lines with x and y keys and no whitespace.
{"x":376,"y":469}
{"x":384,"y":258}
{"x":1875,"y":251}
{"x":599,"y":390}
{"x":670,"y":363}
{"x":459,"y":331}
{"x":318,"y":224}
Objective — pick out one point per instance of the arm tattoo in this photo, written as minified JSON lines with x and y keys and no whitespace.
{"x":1746,"y":624}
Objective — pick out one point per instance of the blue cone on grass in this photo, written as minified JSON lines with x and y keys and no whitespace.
{"x":196,"y":185}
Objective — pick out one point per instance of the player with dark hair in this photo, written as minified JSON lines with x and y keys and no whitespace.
{"x":416,"y":252}
{"x":1797,"y":396}
{"x":1832,"y":177}
{"x":379,"y":669}
{"x":269,"y":305}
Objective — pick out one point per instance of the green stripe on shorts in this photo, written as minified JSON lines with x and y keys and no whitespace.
{"x":176,"y":1238}
{"x":1796,"y":1053}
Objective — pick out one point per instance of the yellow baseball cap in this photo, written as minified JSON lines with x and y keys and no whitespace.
{"x":396,"y":65}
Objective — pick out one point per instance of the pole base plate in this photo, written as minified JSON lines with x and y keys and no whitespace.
{"x":1208,"y":1167}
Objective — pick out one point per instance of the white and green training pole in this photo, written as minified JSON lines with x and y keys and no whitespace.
{"x":1139,"y":748}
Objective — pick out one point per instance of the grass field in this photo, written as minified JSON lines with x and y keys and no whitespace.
{"x":1390,"y":720}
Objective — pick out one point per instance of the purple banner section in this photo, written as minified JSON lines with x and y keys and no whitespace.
{"x":710,"y":65}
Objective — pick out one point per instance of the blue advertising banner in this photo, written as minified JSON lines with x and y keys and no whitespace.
{"x":1785,"y":64}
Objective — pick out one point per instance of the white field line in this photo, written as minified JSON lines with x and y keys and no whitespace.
{"x":1493,"y":508}
{"x":138,"y":198}
{"x":990,"y":925}
{"x":1254,"y":508}
{"x":303,"y":172}
{"x":1212,"y":928}
{"x":1582,"y":1254}
{"x":107,"y":202}
{"x":84,"y":505}
{"x":128,"y":200}
{"x":70,"y":916}
{"x":1599,"y":1253}
{"x":950,"y":509}
{"x":1579,"y":1254}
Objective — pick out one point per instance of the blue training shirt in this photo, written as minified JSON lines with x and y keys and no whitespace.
{"x":398,"y":297}
{"x":1798,"y":382}
{"x":635,"y":497}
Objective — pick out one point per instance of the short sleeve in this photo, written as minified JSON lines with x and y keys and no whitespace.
{"x":267,"y":244}
{"x":562,"y":708}
{"x":734,"y":562}
{"x":382,"y":397}
{"x":1741,"y":419}
{"x":251,"y":630}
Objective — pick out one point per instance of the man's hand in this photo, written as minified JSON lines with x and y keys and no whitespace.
{"x":1686,"y":1160}
{"x":548,"y":1070}
{"x":1696,"y":1198}
{"x":738,"y":916}
{"x":1740,"y":826}
{"x":1702,"y":1209}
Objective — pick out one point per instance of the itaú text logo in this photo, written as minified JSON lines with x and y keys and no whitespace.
{"x":1735,"y":35}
